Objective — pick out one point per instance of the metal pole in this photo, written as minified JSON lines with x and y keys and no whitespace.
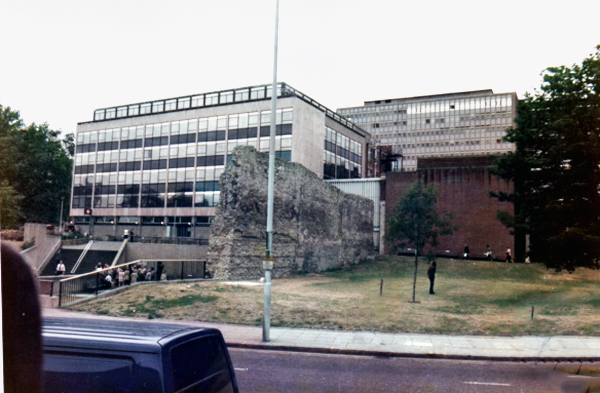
{"x":59,"y":294}
{"x":62,"y":199}
{"x":268,"y":262}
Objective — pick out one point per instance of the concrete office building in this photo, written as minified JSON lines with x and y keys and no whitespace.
{"x":445,"y":125}
{"x":154,"y":167}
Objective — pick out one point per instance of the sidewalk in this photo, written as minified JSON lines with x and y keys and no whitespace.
{"x":528,"y":348}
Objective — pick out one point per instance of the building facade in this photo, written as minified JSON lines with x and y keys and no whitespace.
{"x":463,"y":184}
{"x":154,"y":167}
{"x":446,"y":125}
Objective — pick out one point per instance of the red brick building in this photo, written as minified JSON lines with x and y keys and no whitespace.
{"x":463,"y":183}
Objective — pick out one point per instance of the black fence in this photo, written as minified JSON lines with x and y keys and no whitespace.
{"x":92,"y":284}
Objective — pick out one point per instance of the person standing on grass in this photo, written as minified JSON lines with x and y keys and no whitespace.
{"x":508,"y":256}
{"x":467,"y":252}
{"x":488,"y":253}
{"x":431,"y":276}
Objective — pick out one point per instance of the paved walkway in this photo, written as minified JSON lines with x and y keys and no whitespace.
{"x":530,"y":348}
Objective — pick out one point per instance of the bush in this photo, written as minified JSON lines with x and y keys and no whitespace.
{"x":13,"y":234}
{"x":28,"y":244}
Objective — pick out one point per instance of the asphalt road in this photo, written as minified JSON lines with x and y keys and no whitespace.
{"x":275,"y":371}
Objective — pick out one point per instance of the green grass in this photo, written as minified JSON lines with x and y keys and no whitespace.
{"x":485,"y":298}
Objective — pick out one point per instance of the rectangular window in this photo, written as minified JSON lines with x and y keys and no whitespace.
{"x":197,"y":101}
{"x":145,"y":108}
{"x":134,"y":110}
{"x":226,"y":97}
{"x":99,"y":115}
{"x":122,"y":111}
{"x":170,"y":105}
{"x":158,"y":106}
{"x":183,"y":103}
{"x":256,"y":93}
{"x":242,"y":95}
{"x":212,"y":99}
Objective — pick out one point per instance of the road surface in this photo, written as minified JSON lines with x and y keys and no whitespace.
{"x":277,"y":371}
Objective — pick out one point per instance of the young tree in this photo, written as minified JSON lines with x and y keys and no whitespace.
{"x":416,"y":222}
{"x":556,"y":167}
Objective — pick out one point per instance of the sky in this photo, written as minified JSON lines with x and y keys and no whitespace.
{"x":63,"y":59}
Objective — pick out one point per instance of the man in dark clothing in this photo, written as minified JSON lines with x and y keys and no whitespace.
{"x":431,"y":276}
{"x":159,"y":270}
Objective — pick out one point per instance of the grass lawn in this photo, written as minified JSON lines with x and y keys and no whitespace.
{"x":472,"y":297}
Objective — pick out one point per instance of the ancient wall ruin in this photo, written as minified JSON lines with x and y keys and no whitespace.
{"x":316,"y":226}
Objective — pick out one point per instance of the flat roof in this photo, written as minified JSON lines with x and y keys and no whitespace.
{"x":216,"y":98}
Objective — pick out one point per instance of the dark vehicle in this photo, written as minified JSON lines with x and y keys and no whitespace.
{"x":100,"y":355}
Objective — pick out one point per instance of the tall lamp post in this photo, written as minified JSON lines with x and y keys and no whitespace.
{"x":62,"y":200}
{"x":268,"y":261}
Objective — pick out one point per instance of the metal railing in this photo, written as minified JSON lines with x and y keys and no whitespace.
{"x":92,"y":284}
{"x":160,"y":240}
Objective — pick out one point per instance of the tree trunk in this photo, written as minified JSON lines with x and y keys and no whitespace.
{"x":415,"y":279}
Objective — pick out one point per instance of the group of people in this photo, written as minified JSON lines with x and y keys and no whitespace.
{"x":130,"y":274}
{"x":488,"y":253}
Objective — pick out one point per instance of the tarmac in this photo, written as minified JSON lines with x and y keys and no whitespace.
{"x":489,"y":348}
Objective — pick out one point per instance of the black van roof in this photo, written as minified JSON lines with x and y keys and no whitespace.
{"x":113,"y":334}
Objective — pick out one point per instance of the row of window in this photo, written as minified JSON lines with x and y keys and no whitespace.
{"x":218,"y":98}
{"x":210,"y":136}
{"x":185,"y":162}
{"x":458,"y":103}
{"x":206,"y":199}
{"x":190,"y":126}
{"x":340,"y":151}
{"x":148,"y":189}
{"x":156,"y":220}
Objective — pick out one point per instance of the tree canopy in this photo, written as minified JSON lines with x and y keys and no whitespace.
{"x":35,"y":171}
{"x":556,"y":167}
{"x":417,"y":223}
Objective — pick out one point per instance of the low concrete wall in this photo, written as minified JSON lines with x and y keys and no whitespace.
{"x":135,"y":251}
{"x":44,"y":245}
{"x":48,"y":301}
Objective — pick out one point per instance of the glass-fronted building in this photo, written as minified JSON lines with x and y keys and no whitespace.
{"x":457,"y":124}
{"x":154,"y":167}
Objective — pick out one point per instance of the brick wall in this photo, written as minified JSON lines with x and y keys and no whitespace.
{"x":464,"y":183}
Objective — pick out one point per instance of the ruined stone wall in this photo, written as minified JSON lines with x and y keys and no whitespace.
{"x":316,"y":226}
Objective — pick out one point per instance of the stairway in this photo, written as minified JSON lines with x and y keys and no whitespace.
{"x":91,"y":259}
{"x":69,"y":257}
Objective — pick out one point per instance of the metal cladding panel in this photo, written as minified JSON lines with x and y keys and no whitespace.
{"x":368,"y":188}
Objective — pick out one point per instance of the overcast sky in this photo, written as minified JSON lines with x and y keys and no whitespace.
{"x":62,"y":59}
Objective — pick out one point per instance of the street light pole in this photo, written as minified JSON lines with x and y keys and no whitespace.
{"x":62,"y":199}
{"x":268,"y":261}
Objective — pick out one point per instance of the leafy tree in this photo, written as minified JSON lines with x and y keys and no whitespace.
{"x":10,"y":209}
{"x":416,"y":222}
{"x":35,"y":165}
{"x":68,"y":145}
{"x":556,"y":167}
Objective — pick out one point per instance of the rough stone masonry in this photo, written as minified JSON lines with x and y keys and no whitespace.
{"x":316,"y":227}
